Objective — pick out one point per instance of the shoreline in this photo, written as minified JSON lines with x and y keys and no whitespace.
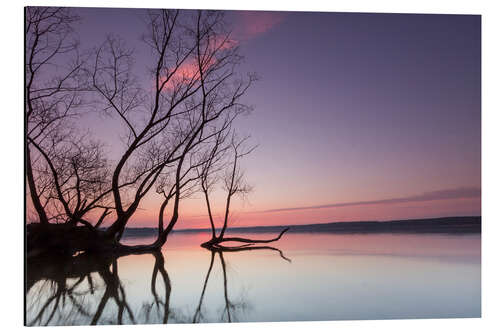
{"x":447,"y":225}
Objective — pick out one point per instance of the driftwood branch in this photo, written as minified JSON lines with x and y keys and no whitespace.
{"x":253,"y":241}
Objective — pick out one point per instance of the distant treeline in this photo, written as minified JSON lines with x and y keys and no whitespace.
{"x":449,"y":225}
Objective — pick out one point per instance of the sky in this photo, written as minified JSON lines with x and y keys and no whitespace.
{"x":356,"y":116}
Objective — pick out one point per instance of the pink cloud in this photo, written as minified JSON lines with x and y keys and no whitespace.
{"x":447,"y":194}
{"x":250,"y":24}
{"x":189,"y":70}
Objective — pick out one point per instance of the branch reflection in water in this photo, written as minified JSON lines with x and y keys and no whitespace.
{"x":67,"y":292}
{"x":87,"y":290}
{"x":230,"y":307}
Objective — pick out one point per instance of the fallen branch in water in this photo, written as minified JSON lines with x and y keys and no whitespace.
{"x":234,"y":184}
{"x":215,"y":244}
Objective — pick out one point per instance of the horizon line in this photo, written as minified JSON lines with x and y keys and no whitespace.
{"x":318,"y":223}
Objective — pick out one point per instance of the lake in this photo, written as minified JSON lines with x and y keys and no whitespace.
{"x":307,"y":276}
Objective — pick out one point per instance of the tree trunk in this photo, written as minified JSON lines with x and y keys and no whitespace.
{"x":33,"y":192}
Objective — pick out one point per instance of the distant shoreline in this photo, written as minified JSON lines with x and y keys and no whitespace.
{"x":447,"y":225}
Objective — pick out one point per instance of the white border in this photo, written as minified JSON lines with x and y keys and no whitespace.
{"x":11,"y":161}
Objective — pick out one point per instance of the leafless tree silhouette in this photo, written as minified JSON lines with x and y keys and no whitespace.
{"x":234,"y":184}
{"x":66,"y":172}
{"x":186,"y":107}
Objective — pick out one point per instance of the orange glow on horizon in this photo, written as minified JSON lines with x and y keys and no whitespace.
{"x":402,"y":211}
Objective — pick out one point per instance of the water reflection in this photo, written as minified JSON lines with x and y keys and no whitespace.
{"x":76,"y":291}
{"x":231,"y":308}
{"x":381,"y":276}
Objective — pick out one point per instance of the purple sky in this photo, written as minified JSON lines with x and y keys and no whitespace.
{"x":357,"y":116}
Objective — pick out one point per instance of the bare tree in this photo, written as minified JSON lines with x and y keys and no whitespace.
{"x":196,"y":96}
{"x":169,"y":121}
{"x":66,"y":170}
{"x":51,"y":100}
{"x":234,"y":184}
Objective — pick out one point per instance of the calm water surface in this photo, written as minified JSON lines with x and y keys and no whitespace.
{"x":318,"y":276}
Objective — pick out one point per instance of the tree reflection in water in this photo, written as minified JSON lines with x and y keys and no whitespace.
{"x":86,"y":290}
{"x":230,"y":307}
{"x":63,"y":292}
